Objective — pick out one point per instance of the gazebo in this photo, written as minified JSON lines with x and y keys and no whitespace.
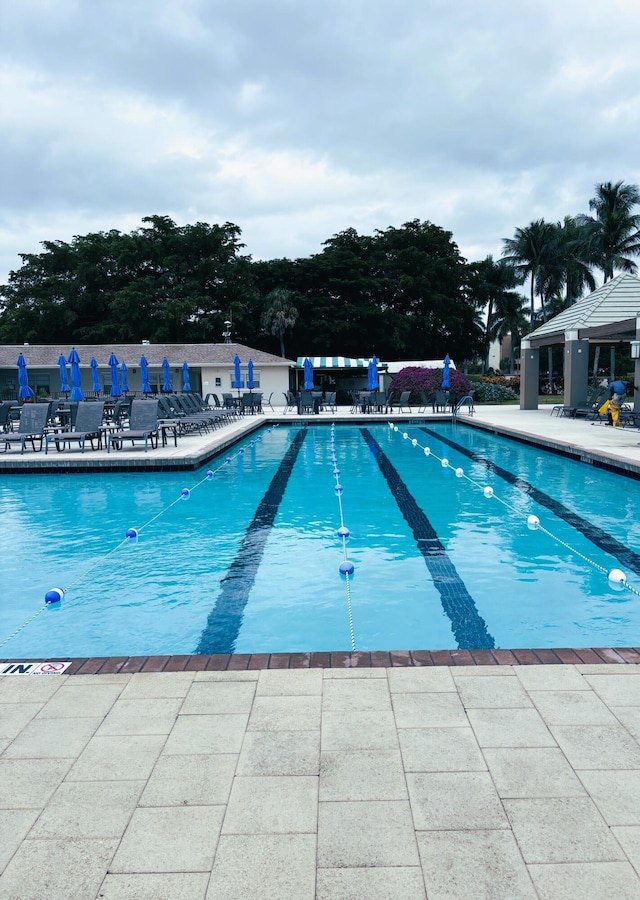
{"x":610,"y":314}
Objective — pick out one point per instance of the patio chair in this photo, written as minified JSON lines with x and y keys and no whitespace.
{"x":33,"y":421}
{"x":330,"y":401}
{"x":143,"y":426}
{"x":268,"y":403}
{"x":88,"y":425}
{"x":403,"y":400}
{"x":290,"y":402}
{"x":589,"y":409}
{"x":439,"y":402}
{"x":306,"y":402}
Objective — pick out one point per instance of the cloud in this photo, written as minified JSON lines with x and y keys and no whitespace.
{"x":298,"y":120}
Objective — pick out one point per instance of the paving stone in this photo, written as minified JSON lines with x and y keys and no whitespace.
{"x":373,"y":883}
{"x":268,"y":866}
{"x":88,"y":810}
{"x":167,"y":886}
{"x":280,"y":753}
{"x":420,"y":680}
{"x":440,"y":750}
{"x":366,"y":834}
{"x":569,"y":829}
{"x":29,"y":783}
{"x":190,"y":780}
{"x":364,"y":694}
{"x":466,"y":865}
{"x":362,"y":775}
{"x":368,"y":730}
{"x":532,"y":772}
{"x":206,"y":734}
{"x":490,"y":692}
{"x":14,"y":717}
{"x":551,"y":678}
{"x":422,"y":710}
{"x":155,"y":685}
{"x":52,"y":738}
{"x":454,"y":800}
{"x":510,"y":728}
{"x":169,"y":839}
{"x":616,"y":794}
{"x":572,"y":708}
{"x":119,"y":758}
{"x":69,"y":869}
{"x":272,"y":805}
{"x":289,"y":683}
{"x":153,"y":715}
{"x":598,"y":746}
{"x":14,"y":827}
{"x":276,"y":713}
{"x":616,"y":691}
{"x":215,"y":697}
{"x":75,"y":700}
{"x":597,"y":881}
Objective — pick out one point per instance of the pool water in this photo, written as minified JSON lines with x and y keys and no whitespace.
{"x":249,"y":562}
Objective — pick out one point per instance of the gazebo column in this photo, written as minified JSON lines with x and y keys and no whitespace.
{"x":529,"y":375}
{"x":576,"y":369}
{"x":636,"y":371}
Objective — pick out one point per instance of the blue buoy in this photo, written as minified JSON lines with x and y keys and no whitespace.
{"x":338,"y":489}
{"x":227,"y":461}
{"x":55,"y":595}
{"x":209,"y":474}
{"x":347,"y":568}
{"x":336,"y":472}
{"x":185,"y":493}
{"x":131,"y":534}
{"x":240,"y":451}
{"x":343,"y":532}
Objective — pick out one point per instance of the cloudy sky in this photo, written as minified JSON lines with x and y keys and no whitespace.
{"x":297,"y":119}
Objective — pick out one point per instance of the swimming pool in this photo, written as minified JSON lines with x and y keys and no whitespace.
{"x":249,"y":562}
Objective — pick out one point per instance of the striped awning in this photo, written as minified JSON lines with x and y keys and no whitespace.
{"x":333,"y":362}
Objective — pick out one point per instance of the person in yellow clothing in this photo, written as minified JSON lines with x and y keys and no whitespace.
{"x":617,"y":394}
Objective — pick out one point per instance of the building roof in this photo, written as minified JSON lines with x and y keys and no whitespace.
{"x":608,"y":312}
{"x":394,"y":367}
{"x":46,"y":355}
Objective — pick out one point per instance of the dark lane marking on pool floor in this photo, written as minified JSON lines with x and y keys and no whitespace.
{"x":593,"y":533}
{"x":225,"y":619}
{"x":468,"y":626}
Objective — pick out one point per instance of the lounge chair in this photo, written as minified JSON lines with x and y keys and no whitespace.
{"x":589,"y":409}
{"x":330,"y":401}
{"x":33,"y":421}
{"x":5,"y":410}
{"x":290,"y":402}
{"x":88,"y":426}
{"x":143,"y":426}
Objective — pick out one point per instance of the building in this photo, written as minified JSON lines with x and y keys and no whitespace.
{"x":211,"y":367}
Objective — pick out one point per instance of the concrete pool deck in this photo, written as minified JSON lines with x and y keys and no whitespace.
{"x":346,"y":778}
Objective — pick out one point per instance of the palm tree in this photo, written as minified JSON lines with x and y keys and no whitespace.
{"x":491,"y":281}
{"x":613,"y":233}
{"x":572,"y":249}
{"x":531,"y":252}
{"x":509,"y":318}
{"x":280,"y":315}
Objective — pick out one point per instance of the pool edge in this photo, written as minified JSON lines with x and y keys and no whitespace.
{"x":242,"y":662}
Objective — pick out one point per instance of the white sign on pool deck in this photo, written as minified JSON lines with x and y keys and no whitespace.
{"x":34,"y":668}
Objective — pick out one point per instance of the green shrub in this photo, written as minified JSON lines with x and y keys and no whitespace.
{"x":487,"y":392}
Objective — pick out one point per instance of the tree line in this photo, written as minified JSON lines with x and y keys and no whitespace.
{"x":401,"y":292}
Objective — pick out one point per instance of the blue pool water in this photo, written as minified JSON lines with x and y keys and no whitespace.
{"x":249,"y":563}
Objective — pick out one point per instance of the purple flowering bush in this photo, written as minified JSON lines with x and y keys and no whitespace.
{"x":416,"y":378}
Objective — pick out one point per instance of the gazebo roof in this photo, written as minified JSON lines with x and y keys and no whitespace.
{"x":609,"y":313}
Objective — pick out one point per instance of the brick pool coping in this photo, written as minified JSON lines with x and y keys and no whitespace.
{"x":242,"y":662}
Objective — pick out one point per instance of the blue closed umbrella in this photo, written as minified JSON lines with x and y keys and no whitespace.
{"x":125,"y":377}
{"x":76,"y":377}
{"x":250,"y":383}
{"x":186,"y":385}
{"x":24,"y":391}
{"x":308,"y":374}
{"x":144,"y":375}
{"x":64,"y":384}
{"x":237,"y":378}
{"x":372,"y":383}
{"x":115,"y":378}
{"x":166,"y":386}
{"x":94,"y":375}
{"x":445,"y":375}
